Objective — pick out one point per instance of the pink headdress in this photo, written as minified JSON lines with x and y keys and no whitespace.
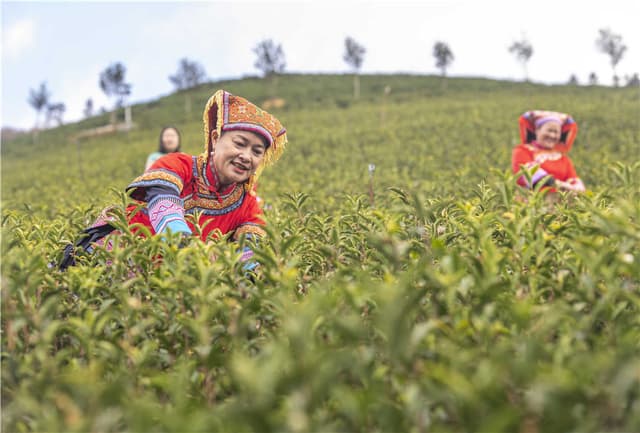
{"x":546,"y":119}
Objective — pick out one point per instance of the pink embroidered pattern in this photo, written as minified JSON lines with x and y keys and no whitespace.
{"x":163,"y":212}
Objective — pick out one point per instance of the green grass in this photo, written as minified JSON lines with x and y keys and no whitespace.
{"x":446,"y":305}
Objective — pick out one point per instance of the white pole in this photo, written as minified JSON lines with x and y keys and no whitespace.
{"x":127,"y":117}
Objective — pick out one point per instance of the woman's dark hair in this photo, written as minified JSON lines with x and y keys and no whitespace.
{"x":161,"y":144}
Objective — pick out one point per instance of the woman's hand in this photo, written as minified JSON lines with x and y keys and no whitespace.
{"x":570,"y":186}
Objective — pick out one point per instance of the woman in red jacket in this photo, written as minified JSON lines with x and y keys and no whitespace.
{"x":218,"y":187}
{"x":547,"y":137}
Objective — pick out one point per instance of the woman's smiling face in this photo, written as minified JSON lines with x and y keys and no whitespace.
{"x":237,"y":155}
{"x":548,"y":134}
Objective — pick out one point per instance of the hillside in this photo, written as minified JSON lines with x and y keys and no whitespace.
{"x":418,"y":124}
{"x":448,"y":303}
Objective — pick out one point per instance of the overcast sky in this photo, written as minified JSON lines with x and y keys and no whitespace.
{"x":68,"y":44}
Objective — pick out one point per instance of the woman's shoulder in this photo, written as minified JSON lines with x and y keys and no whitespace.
{"x":251,"y":196}
{"x":523,"y":149}
{"x":172,"y":164}
{"x":251,"y":204}
{"x":525,"y":146}
{"x":173,"y":159}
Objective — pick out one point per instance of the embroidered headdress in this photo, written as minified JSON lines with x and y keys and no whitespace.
{"x":531,"y":120}
{"x":227,"y":112}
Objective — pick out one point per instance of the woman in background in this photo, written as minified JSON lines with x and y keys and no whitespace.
{"x":547,"y":137}
{"x":169,"y":142}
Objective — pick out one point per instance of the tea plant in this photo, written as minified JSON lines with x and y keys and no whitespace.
{"x":454,"y":302}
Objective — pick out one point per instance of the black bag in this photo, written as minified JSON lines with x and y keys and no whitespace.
{"x":90,"y":235}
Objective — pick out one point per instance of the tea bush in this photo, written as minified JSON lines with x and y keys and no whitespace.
{"x":448,"y":303}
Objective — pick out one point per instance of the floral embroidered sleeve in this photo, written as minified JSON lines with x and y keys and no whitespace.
{"x":160,"y":187}
{"x":166,"y":210}
{"x":522,"y":158}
